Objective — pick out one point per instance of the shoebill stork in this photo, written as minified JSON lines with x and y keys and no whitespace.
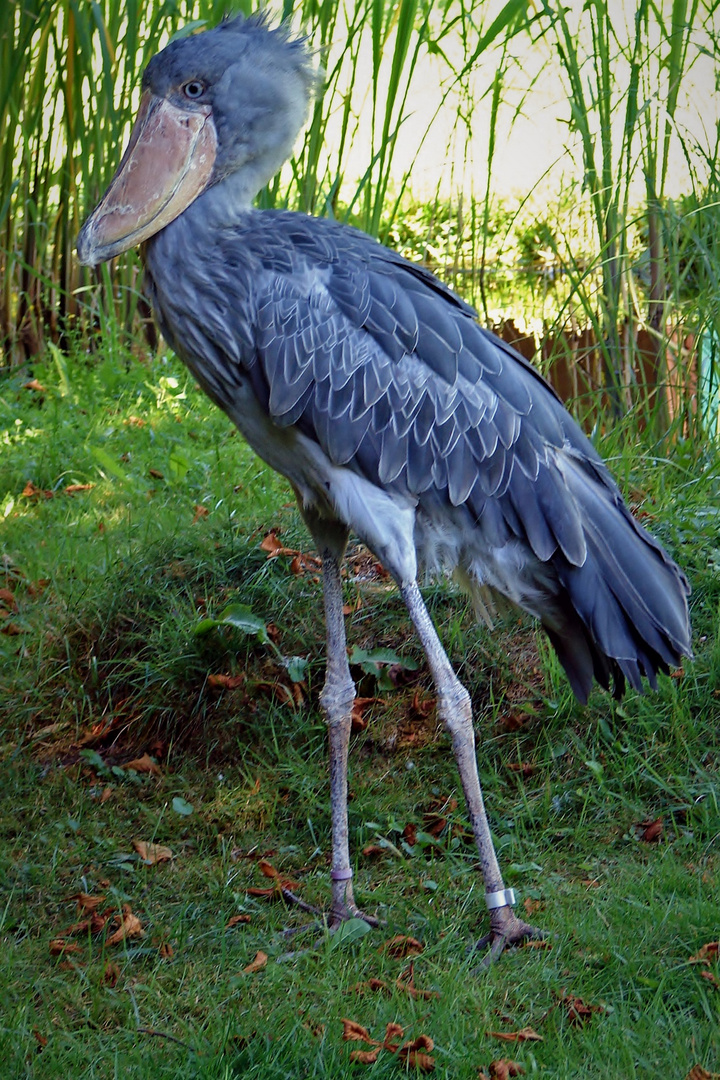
{"x":370,"y":385}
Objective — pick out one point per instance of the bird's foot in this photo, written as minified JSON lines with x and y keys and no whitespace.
{"x":342,"y":913}
{"x":505,"y":929}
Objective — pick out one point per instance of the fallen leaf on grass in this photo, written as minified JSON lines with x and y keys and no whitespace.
{"x":60,"y":947}
{"x":503,"y":1069}
{"x":236,"y":920}
{"x":374,"y":986}
{"x":200,"y":512}
{"x":11,"y":629}
{"x":144,"y":764}
{"x":412,"y":1053}
{"x":226,"y":682}
{"x":166,"y":950}
{"x":94,"y":925}
{"x":360,"y":704}
{"x":279,"y":883}
{"x":365,"y":1057}
{"x":524,"y":1035}
{"x":578,"y":1012}
{"x":651,"y":831}
{"x":7,"y":597}
{"x":111,"y":974}
{"x":532,"y":906}
{"x":406,"y":983}
{"x":708,"y":954}
{"x":712,"y":979}
{"x":73,"y":489}
{"x":353,"y":1031}
{"x":401,"y":946}
{"x":130,"y":927}
{"x":274,"y":547}
{"x":30,"y":491}
{"x":699,"y":1073}
{"x":522,"y":768}
{"x":257,"y":964}
{"x":152,"y":853}
{"x":40,"y":1039}
{"x":416,"y":1055}
{"x":34,"y":385}
{"x":86,"y":902}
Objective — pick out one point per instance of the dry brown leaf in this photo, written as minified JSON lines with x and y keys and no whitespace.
{"x":409,"y":834}
{"x":257,"y":964}
{"x":129,"y":928}
{"x":406,"y":983}
{"x":111,"y":974}
{"x":401,"y":946}
{"x":11,"y":629}
{"x":365,"y":1057}
{"x":156,"y":474}
{"x":200,"y":513}
{"x":40,"y":1038}
{"x":272,"y":545}
{"x":94,"y":925}
{"x":374,"y":986}
{"x":578,"y":1012}
{"x":651,"y":831}
{"x":532,"y":906}
{"x":30,"y":491}
{"x":360,"y":704}
{"x":60,"y":947}
{"x":699,"y":1073}
{"x":86,"y":902}
{"x":166,"y":950}
{"x":34,"y":385}
{"x":416,"y":1053}
{"x":106,"y":794}
{"x":152,"y":853}
{"x":522,"y":768}
{"x":525,"y":1034}
{"x":226,"y":682}
{"x":353,"y":1031}
{"x":73,"y":489}
{"x":503,"y":1069}
{"x":7,"y":597}
{"x":392,"y":1031}
{"x":144,"y":764}
{"x":708,"y":954}
{"x":373,"y":851}
{"x":235,"y":920}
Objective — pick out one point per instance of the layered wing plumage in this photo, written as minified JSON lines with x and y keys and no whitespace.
{"x":388,"y":371}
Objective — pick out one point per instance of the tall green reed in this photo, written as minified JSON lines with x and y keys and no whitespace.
{"x":70,"y":85}
{"x":637,"y":75}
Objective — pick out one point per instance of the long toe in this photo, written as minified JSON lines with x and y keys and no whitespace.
{"x":505,"y":929}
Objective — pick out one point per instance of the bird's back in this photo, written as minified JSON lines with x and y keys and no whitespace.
{"x":359,"y":374}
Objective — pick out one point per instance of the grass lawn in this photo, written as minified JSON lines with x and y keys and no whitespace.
{"x":130,"y":512}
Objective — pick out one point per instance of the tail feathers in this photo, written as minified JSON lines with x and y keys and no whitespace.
{"x":623,"y":613}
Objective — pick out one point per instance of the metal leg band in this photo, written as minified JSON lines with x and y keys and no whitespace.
{"x":503,"y":898}
{"x":341,"y":875}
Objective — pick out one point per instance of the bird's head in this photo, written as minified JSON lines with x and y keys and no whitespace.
{"x":221,"y":107}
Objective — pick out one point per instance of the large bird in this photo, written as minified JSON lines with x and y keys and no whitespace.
{"x":370,"y":385}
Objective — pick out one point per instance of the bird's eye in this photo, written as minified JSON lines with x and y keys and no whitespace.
{"x":193,"y":89}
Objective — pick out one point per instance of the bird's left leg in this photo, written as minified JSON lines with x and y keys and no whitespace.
{"x":454,"y":709}
{"x":337,"y":697}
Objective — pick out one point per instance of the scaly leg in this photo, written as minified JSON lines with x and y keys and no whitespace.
{"x":454,"y":709}
{"x":337,"y":699}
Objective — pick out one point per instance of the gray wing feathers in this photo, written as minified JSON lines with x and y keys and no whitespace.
{"x":389,"y":372}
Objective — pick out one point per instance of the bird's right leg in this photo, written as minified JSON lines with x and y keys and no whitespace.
{"x":337,"y":697}
{"x":454,"y":709}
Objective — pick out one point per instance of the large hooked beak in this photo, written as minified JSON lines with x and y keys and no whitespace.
{"x":166,"y":165}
